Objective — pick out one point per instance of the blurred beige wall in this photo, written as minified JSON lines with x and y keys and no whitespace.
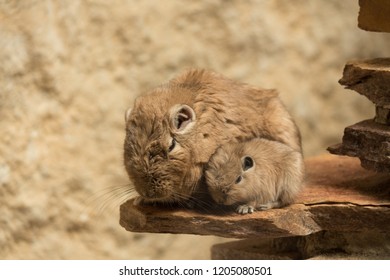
{"x":69,"y":69}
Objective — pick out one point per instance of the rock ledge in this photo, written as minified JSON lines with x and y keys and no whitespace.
{"x":339,"y":196}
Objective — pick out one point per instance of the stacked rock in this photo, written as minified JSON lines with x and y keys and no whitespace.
{"x":369,"y":140}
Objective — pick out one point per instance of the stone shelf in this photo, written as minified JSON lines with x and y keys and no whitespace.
{"x":370,"y":78}
{"x":339,"y":196}
{"x":368,"y":141}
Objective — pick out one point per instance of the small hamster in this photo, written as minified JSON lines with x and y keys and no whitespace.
{"x":258,"y":174}
{"x":172,"y":131}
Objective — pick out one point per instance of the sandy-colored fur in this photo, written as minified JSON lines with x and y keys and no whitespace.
{"x":225,"y":111}
{"x":273,"y":181}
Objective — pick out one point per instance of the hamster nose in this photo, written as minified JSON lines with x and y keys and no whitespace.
{"x":153,"y":182}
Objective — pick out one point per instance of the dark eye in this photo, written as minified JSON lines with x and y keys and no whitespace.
{"x":247,"y":164}
{"x":238,"y":180}
{"x":172,"y":146}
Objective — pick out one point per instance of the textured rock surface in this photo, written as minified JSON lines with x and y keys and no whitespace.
{"x":69,"y":69}
{"x":339,"y":196}
{"x":322,"y":245}
{"x":374,"y":15}
{"x":368,"y":141}
{"x":382,"y":115}
{"x":370,"y":78}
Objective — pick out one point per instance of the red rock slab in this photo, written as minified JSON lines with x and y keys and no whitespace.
{"x":339,"y":196}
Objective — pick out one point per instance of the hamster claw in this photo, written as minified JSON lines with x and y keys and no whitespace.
{"x":245,"y":209}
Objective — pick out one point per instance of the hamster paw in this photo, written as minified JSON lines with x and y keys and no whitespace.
{"x":245,"y":209}
{"x":269,"y":205}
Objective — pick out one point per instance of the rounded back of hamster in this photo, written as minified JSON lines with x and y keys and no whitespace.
{"x":172,"y":131}
{"x":282,"y":170}
{"x":259,"y":169}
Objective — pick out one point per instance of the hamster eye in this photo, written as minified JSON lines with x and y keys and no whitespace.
{"x":248,"y":163}
{"x":238,"y":180}
{"x":172,"y":146}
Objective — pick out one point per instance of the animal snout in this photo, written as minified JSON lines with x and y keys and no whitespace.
{"x":156,"y":188}
{"x":150,"y":193}
{"x":153,"y":181}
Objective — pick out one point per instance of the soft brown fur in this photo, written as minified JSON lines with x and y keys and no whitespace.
{"x":224,"y":111}
{"x":273,"y":181}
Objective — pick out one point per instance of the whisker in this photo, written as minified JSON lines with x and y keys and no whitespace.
{"x":184,"y":200}
{"x":110,"y":198}
{"x":113,"y":198}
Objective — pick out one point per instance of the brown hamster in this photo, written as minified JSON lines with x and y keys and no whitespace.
{"x":172,"y":131}
{"x":257,"y":174}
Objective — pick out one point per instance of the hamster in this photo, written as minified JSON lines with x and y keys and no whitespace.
{"x":172,"y":131}
{"x":258,"y":174}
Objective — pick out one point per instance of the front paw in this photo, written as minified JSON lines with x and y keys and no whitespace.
{"x":269,"y":205}
{"x":245,"y":209}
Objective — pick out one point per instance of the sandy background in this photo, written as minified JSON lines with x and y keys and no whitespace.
{"x":69,"y":69}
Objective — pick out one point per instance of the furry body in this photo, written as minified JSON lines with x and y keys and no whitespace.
{"x":172,"y":131}
{"x":257,"y":174}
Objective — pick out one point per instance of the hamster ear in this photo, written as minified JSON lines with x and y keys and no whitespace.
{"x":127,"y":114}
{"x":182,"y":118}
{"x":247,"y":163}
